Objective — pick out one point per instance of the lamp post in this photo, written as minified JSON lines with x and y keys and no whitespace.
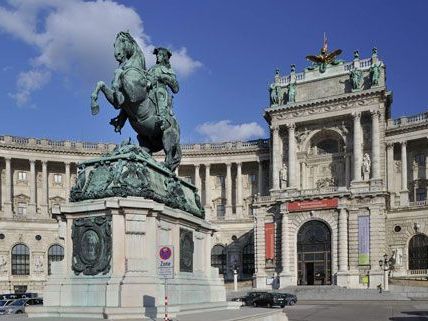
{"x":387,"y":264}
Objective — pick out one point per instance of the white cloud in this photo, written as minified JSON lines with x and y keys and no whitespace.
{"x":224,"y":130}
{"x":75,"y":37}
{"x":28,"y":82}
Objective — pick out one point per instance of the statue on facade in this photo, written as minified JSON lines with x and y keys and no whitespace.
{"x":366,"y":167}
{"x":143,"y":98}
{"x":356,"y":77}
{"x":38,"y":264}
{"x":274,"y":94}
{"x":375,"y":74}
{"x":291,"y":92}
{"x":324,"y":58}
{"x":3,"y":263}
{"x":283,"y":176}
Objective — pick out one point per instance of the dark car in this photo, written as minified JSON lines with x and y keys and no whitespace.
{"x":290,"y":298}
{"x":274,"y":299}
{"x":251,"y":296}
{"x":5,"y":302}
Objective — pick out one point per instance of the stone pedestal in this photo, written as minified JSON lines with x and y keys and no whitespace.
{"x":111,"y":258}
{"x":404,"y":198}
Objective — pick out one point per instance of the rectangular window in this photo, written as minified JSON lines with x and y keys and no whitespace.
{"x":22,"y":176}
{"x":58,"y":178}
{"x":220,"y":211}
{"x":22,"y":209}
{"x":252,"y":178}
{"x":420,"y":159}
{"x":421,"y":194}
{"x":187,"y":179}
{"x":220,"y":181}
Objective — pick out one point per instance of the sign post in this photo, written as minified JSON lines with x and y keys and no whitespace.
{"x":166,"y":269}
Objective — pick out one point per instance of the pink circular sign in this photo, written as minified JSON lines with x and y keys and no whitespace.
{"x":165,"y":253}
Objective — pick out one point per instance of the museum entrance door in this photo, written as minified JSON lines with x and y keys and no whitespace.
{"x":314,"y":254}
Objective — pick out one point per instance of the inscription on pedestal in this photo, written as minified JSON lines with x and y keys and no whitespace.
{"x":186,"y":250}
{"x":91,"y":245}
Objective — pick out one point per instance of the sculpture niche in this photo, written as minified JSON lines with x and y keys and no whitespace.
{"x":143,"y":98}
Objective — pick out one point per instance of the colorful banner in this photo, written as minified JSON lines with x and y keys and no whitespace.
{"x":269,"y":241}
{"x":313,"y":204}
{"x":363,"y":240}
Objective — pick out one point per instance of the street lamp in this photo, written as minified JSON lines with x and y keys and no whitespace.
{"x":387,"y":264}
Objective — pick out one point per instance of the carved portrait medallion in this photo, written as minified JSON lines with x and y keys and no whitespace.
{"x":91,"y":245}
{"x":186,"y":250}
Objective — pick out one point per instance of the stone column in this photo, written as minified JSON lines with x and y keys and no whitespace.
{"x":404,"y":193}
{"x":259,"y":250}
{"x":285,"y":249}
{"x":275,"y":159}
{"x":8,"y":188}
{"x":347,"y":170}
{"x":343,"y":240}
{"x":375,"y":145}
{"x":67,"y":180}
{"x":228,"y":190}
{"x":198,"y":178}
{"x":357,"y":146}
{"x":207,"y":189}
{"x":304,"y":178}
{"x":33,"y":188}
{"x":260,"y":178}
{"x":390,"y":171}
{"x":292,"y":168}
{"x":45,"y":188}
{"x":239,"y":190}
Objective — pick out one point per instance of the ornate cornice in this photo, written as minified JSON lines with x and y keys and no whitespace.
{"x":332,"y":103}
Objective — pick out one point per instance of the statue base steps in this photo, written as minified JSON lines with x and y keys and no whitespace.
{"x":110,"y":268}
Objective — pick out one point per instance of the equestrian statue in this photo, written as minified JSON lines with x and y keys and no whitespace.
{"x":144,"y":98}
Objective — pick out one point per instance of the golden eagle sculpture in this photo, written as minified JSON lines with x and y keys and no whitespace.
{"x":324,"y":58}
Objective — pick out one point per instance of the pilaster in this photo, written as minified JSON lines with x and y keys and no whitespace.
{"x":228,"y":191}
{"x":239,"y":190}
{"x":404,"y":193}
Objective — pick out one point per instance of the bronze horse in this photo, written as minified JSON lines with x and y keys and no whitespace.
{"x":130,"y":93}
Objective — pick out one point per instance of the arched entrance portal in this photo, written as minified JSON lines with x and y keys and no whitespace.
{"x":314,"y":254}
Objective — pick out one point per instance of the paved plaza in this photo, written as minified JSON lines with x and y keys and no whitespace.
{"x":308,"y":311}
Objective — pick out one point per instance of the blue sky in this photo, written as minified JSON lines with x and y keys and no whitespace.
{"x":225,"y":54}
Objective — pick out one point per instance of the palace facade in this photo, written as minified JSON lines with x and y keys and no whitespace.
{"x":338,"y":184}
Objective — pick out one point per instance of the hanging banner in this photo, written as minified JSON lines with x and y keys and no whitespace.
{"x":269,"y":241}
{"x":363,"y":240}
{"x":313,"y":204}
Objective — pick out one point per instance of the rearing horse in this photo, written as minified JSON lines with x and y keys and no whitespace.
{"x":130,"y":93}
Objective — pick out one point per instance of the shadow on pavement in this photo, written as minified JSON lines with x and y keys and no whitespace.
{"x":413,"y":316}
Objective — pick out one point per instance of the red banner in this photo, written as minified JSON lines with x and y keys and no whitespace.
{"x":269,"y":241}
{"x":313,"y":204}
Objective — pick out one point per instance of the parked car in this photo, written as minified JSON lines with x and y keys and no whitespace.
{"x":6,"y":302}
{"x":249,"y":297}
{"x":274,"y":299}
{"x":18,"y":306}
{"x":290,"y":298}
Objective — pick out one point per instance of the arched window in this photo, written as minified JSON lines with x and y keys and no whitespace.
{"x":55,"y":254}
{"x":218,"y":258}
{"x":248,"y":259}
{"x":418,"y":252}
{"x":20,"y":260}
